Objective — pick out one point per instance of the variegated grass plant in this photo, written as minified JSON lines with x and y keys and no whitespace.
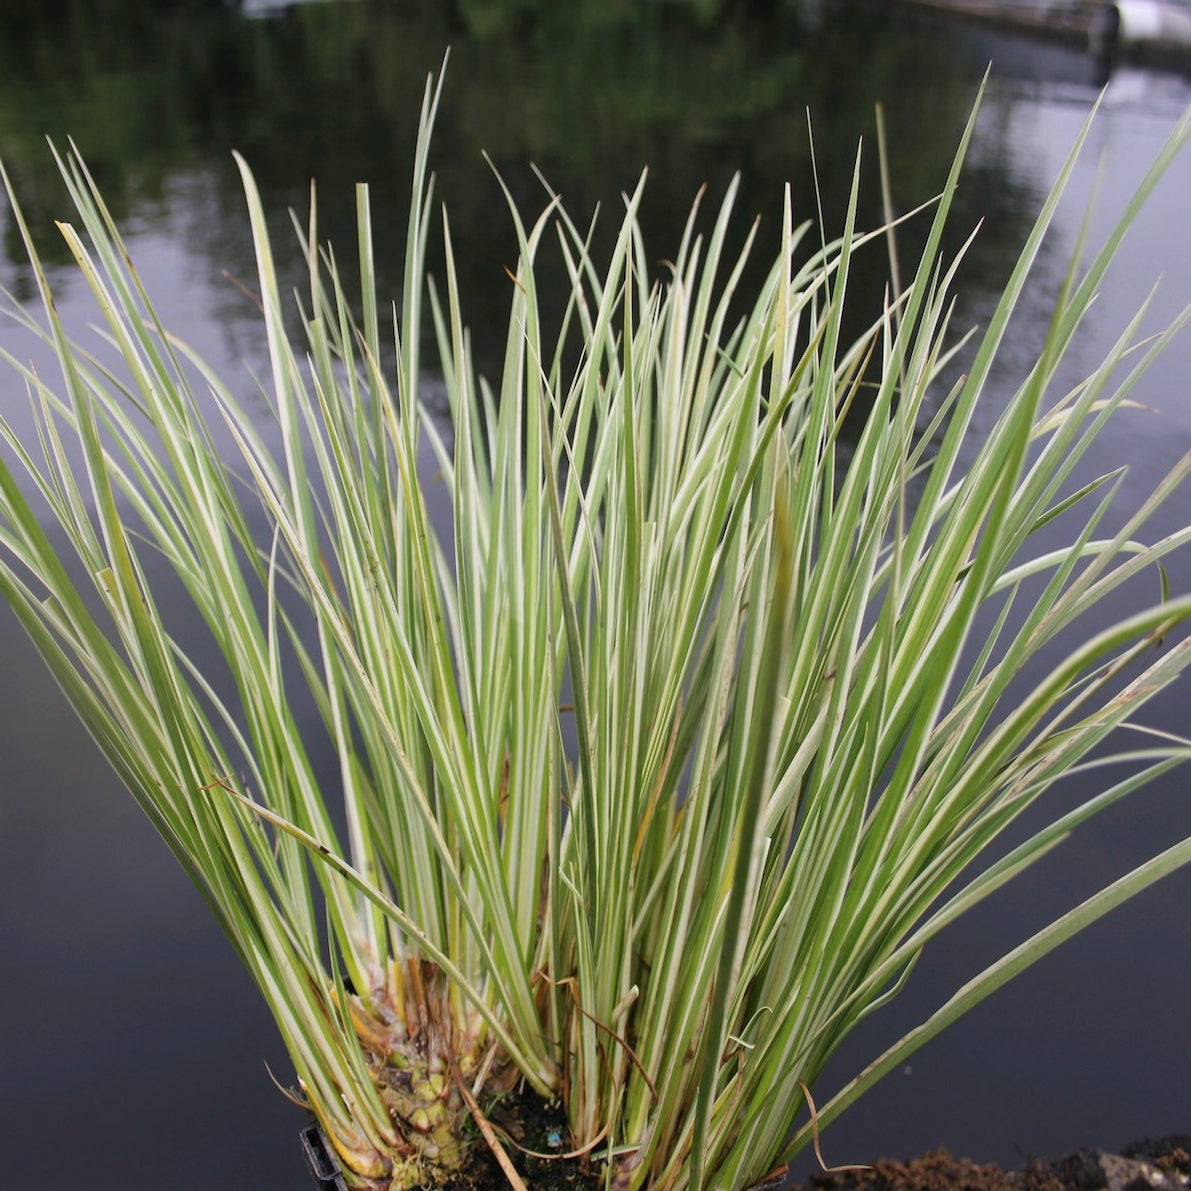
{"x":659,"y":769}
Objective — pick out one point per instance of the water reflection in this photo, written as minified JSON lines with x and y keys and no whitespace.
{"x":330,"y":91}
{"x":127,"y":1009}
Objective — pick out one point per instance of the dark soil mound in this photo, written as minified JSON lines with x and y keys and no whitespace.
{"x":1164,"y":1164}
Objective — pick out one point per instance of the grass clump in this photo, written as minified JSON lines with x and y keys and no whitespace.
{"x":658,"y":771}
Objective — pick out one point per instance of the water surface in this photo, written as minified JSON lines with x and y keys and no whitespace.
{"x":134,"y":1048}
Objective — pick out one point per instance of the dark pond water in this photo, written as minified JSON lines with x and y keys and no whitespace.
{"x":134,"y":1050}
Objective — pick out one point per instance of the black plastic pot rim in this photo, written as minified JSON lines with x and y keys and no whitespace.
{"x":324,"y":1166}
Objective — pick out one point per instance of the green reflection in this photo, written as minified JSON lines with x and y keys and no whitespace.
{"x":156,"y":94}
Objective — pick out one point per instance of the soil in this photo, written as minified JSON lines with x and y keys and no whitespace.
{"x":1165,"y":1163}
{"x":525,"y":1124}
